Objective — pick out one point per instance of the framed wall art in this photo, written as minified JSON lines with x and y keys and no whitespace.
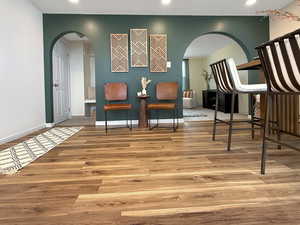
{"x":158,"y":53}
{"x":119,"y":53}
{"x":139,"y":47}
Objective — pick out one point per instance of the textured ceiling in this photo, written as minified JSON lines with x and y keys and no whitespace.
{"x":154,"y":7}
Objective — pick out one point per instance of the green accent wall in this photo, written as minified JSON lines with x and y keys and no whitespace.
{"x":249,"y":32}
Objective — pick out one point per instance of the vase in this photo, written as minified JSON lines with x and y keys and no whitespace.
{"x":208,"y":86}
{"x":144,"y":91}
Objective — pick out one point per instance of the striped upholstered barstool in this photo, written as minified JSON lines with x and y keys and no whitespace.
{"x":281,"y":64}
{"x":227,"y":80}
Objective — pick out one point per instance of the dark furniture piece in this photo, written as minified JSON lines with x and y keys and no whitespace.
{"x":143,"y":115}
{"x":167,"y":96}
{"x":209,"y":101}
{"x":280,"y":59}
{"x":115,"y":94}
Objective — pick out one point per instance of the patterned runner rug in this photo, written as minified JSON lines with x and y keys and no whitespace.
{"x":21,"y":155}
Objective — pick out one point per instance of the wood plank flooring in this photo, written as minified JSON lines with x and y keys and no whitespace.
{"x":154,"y":178}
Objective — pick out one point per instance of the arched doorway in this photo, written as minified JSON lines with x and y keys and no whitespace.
{"x":202,"y":52}
{"x":73,"y":70}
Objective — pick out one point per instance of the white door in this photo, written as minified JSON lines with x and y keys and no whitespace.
{"x":61,"y":90}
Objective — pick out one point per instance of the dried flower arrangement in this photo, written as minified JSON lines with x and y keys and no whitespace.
{"x":207,"y":77}
{"x":282,"y":14}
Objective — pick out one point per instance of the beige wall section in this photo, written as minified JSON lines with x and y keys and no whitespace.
{"x":280,"y":27}
{"x":197,"y":65}
{"x":77,"y":78}
{"x":89,"y":76}
{"x":234,"y":51}
{"x":197,"y":81}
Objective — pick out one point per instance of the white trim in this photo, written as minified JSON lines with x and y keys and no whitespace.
{"x":21,"y":134}
{"x":135,"y":122}
{"x":49,"y":125}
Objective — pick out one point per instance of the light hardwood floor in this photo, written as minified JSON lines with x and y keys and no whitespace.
{"x":154,"y":178}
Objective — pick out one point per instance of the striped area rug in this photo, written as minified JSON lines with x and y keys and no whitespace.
{"x":17,"y":157}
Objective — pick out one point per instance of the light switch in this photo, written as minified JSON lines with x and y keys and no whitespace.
{"x":169,"y":64}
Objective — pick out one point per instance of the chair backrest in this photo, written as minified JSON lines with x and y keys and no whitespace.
{"x":167,"y":91}
{"x":222,"y":76}
{"x":234,"y":74}
{"x":115,"y":91}
{"x":280,"y":59}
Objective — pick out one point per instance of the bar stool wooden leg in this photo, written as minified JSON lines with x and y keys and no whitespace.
{"x":216,"y":114}
{"x":278,"y":121}
{"x":231,"y":122}
{"x":268,"y":100}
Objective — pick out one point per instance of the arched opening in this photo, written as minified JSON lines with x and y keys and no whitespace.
{"x":198,"y":82}
{"x":73,"y":73}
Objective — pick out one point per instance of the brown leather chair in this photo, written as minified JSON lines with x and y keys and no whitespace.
{"x":115,"y":93}
{"x":167,"y":95}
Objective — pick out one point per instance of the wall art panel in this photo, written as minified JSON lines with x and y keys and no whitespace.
{"x":158,"y":53}
{"x":139,"y":47}
{"x":119,"y":53}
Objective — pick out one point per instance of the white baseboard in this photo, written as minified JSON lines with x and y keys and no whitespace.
{"x":134,"y":122}
{"x":49,"y":125}
{"x":21,"y":134}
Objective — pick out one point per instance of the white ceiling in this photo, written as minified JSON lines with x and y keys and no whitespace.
{"x":206,"y":45}
{"x":154,"y":7}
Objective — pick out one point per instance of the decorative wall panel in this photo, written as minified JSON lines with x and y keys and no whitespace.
{"x":119,"y":52}
{"x":158,"y":53}
{"x":139,"y":47}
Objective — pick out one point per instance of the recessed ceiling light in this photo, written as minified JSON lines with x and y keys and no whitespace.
{"x":166,"y":2}
{"x":250,"y":2}
{"x":74,"y":1}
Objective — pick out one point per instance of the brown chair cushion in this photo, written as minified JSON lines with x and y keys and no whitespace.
{"x":110,"y":107}
{"x":161,"y":106}
{"x":167,"y":90}
{"x":115,"y":91}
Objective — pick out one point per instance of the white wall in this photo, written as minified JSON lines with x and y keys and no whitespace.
{"x":21,"y":69}
{"x":280,"y":26}
{"x":77,"y":78}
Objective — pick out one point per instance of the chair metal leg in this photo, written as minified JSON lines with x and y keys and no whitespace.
{"x":252,"y":110}
{"x":149,"y":119}
{"x":129,"y":118}
{"x":130,"y":122}
{"x":216,"y":114}
{"x":231,"y":121}
{"x":265,"y":132}
{"x":174,"y":120}
{"x":127,"y":123}
{"x":177,"y":115}
{"x":157,"y":118}
{"x":105,"y":114}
